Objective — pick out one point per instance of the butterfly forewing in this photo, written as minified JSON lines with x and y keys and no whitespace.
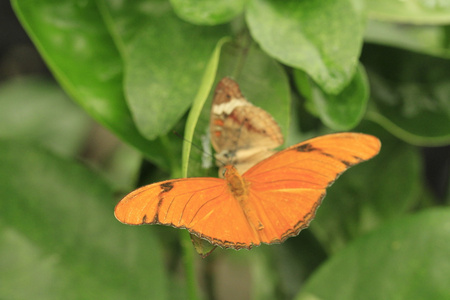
{"x":204,"y":206}
{"x":315,"y":163}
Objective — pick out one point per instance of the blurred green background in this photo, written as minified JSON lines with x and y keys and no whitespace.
{"x":91,"y":92}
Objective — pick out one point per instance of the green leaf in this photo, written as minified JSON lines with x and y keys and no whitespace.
{"x":197,"y":107}
{"x":322,"y":38}
{"x":122,"y":168}
{"x":165,"y":59}
{"x":208,"y":12}
{"x":36,"y":110}
{"x":295,"y":260}
{"x":75,"y":43}
{"x":404,"y":259}
{"x":412,"y":11}
{"x":367,"y":195}
{"x":427,"y":39}
{"x":59,"y":238}
{"x":264,"y":281}
{"x":410,"y":94}
{"x":342,"y":111}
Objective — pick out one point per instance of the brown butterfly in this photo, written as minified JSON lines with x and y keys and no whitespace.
{"x":241,"y":134}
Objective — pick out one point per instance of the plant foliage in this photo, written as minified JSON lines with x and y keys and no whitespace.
{"x":144,"y":68}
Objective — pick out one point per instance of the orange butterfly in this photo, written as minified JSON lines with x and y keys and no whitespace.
{"x":241,"y":134}
{"x":269,"y":203}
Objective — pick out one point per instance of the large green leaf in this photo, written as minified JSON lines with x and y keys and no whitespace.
{"x":410,"y":93}
{"x":59,"y":238}
{"x":164,"y":57}
{"x":208,"y":12}
{"x":36,"y":110}
{"x":74,"y":41}
{"x":322,"y":38}
{"x":405,"y":259}
{"x":411,"y":11}
{"x":339,"y":112}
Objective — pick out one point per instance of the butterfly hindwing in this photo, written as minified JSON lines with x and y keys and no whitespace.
{"x":284,"y":213}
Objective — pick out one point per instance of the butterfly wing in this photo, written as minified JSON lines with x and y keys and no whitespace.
{"x":242,"y":134}
{"x":204,"y":206}
{"x":286,"y":189}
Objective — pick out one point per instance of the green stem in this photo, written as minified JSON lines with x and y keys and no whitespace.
{"x":189,"y":268}
{"x":199,"y":101}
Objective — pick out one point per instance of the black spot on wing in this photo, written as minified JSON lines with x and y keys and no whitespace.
{"x":327,"y":154}
{"x":309,"y":148}
{"x":144,"y":219}
{"x":358,"y":159}
{"x":347,"y":163}
{"x":166,"y":187}
{"x":306,"y":148}
{"x":161,"y":199}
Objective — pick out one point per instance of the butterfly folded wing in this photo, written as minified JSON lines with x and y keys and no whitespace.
{"x":241,"y":134}
{"x":245,"y":127}
{"x":204,"y":206}
{"x":287,"y":188}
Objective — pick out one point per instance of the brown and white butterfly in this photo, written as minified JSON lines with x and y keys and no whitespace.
{"x":242,"y":134}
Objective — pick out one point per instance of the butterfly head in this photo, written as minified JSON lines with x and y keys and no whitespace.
{"x":228,"y":171}
{"x":236,"y":183}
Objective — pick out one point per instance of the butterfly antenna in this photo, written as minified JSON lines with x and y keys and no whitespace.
{"x":197,"y":147}
{"x":190,"y":142}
